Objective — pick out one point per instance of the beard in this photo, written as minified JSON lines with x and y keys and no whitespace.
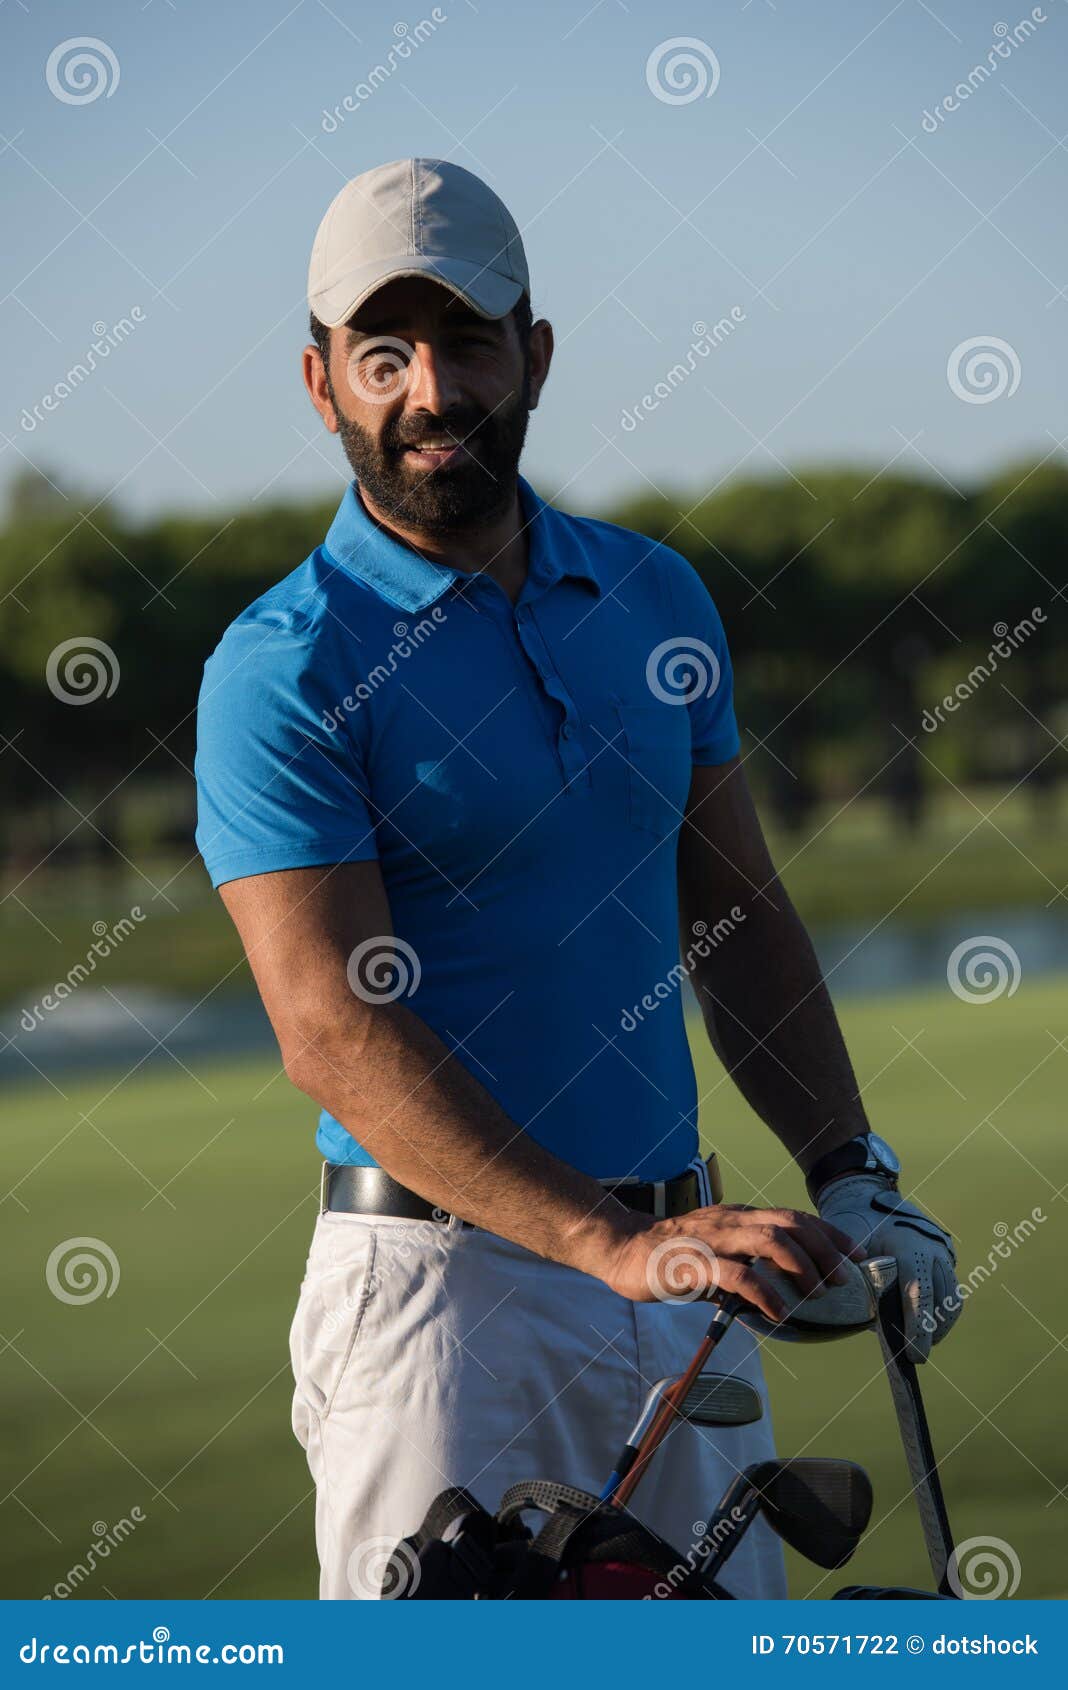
{"x":478,"y":488}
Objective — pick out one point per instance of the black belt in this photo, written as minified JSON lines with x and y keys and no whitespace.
{"x":354,"y":1190}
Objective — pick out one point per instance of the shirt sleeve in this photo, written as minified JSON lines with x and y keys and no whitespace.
{"x":281,"y":782}
{"x":696,"y":629}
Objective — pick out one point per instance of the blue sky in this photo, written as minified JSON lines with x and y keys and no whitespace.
{"x":801,"y":188}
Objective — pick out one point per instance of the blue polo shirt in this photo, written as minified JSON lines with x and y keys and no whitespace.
{"x":520,"y":773}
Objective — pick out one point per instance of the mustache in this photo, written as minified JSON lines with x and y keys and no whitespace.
{"x":456,"y":429}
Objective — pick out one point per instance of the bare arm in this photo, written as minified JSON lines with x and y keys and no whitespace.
{"x":381,"y":1071}
{"x":768,"y":1013}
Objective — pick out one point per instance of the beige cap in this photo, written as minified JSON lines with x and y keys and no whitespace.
{"x":416,"y":217}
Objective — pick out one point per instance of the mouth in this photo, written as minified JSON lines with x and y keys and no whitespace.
{"x":436,"y":455}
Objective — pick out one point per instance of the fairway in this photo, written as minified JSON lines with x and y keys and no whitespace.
{"x":170,"y":1396}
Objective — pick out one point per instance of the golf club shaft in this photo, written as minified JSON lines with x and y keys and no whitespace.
{"x":726,"y":1309}
{"x":916,"y":1439}
{"x":734,"y":1515}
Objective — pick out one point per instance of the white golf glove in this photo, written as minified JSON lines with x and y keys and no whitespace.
{"x":884,"y":1223}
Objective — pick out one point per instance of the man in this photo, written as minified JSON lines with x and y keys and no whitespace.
{"x":466,"y":776}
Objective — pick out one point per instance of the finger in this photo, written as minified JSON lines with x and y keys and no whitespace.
{"x":759,"y":1235}
{"x":739,"y":1277}
{"x":917,"y":1321}
{"x":948,"y":1301}
{"x":842,"y":1241}
{"x":826,"y":1244}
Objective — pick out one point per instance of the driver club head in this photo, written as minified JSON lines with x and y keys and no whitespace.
{"x":819,"y":1507}
{"x":837,"y":1312}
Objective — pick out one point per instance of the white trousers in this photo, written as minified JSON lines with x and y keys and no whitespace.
{"x":429,"y":1355}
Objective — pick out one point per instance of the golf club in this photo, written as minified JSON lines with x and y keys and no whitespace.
{"x":916,"y":1437}
{"x":837,"y":1311}
{"x":886,"y":1593}
{"x":714,"y":1399}
{"x":819,"y":1507}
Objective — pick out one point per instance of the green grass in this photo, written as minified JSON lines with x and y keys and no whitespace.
{"x":96,"y":1418}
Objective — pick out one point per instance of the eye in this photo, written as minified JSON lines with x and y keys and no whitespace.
{"x":387,"y":349}
{"x":478,"y":337}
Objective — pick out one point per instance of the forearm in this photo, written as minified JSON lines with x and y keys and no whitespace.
{"x":770,"y":1019}
{"x":388,"y":1078}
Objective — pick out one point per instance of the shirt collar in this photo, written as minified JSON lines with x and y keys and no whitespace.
{"x":400,"y":575}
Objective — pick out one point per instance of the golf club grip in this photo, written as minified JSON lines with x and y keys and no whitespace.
{"x":916,"y":1439}
{"x":624,"y":1462}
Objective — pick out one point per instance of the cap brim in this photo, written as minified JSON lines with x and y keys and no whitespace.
{"x":483,"y":290}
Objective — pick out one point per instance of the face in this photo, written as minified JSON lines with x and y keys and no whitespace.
{"x":431,"y":402}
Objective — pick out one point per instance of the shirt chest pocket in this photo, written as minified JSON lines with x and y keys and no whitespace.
{"x":657,"y":749}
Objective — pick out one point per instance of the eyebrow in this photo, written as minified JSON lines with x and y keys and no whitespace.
{"x":387,"y":325}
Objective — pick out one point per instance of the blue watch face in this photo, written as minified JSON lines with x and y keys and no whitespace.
{"x":883,"y":1154}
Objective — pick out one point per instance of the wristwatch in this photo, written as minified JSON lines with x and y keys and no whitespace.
{"x":867,"y":1153}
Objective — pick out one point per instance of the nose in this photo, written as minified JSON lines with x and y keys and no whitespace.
{"x":433,"y":384}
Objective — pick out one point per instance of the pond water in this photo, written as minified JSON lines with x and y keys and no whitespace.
{"x":128,"y":1025}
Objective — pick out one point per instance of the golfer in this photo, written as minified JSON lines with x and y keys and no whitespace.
{"x":469,"y":783}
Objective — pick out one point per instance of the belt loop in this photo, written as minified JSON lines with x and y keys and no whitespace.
{"x":704,"y":1184}
{"x":660,"y":1199}
{"x":322,"y":1188}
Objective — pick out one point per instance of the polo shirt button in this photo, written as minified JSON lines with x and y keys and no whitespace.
{"x":567,"y":730}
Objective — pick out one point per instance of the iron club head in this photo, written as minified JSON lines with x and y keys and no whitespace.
{"x":819,"y":1507}
{"x":714,"y":1399}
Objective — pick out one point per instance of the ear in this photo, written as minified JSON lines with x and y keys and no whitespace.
{"x":315,"y":380}
{"x":541,"y":356}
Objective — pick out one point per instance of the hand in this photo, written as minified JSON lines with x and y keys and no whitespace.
{"x":714,"y":1249}
{"x":869,"y":1209}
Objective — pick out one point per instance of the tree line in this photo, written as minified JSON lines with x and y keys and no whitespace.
{"x":882,"y":628}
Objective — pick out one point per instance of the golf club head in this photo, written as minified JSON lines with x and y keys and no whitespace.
{"x":819,"y":1507}
{"x":886,"y":1593}
{"x":714,"y":1399}
{"x":719,"y":1399}
{"x":837,"y":1312}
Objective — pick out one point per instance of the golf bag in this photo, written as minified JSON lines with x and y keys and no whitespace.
{"x":584,"y":1550}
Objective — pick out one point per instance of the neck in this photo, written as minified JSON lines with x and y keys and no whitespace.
{"x":499,"y":548}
